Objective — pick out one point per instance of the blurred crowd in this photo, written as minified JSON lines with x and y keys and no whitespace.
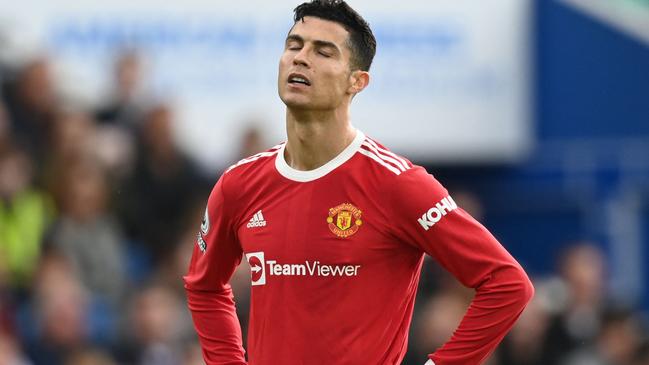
{"x":99,"y":208}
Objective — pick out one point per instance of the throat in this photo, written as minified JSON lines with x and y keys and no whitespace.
{"x":312,"y":148}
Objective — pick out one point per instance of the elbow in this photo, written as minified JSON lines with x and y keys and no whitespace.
{"x":525,"y":287}
{"x":513,"y":285}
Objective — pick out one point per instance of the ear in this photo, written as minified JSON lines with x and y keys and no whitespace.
{"x":358,"y":81}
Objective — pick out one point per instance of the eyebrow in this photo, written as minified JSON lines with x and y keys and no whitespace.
{"x":318,"y":43}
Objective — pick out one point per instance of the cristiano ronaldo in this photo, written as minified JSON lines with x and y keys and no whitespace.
{"x":335,"y":227}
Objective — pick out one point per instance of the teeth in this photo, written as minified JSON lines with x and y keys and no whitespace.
{"x":300,"y":80}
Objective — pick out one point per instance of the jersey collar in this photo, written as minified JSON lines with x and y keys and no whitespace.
{"x":303,"y":176}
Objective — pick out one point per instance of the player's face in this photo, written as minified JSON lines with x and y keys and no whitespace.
{"x":314,"y":70}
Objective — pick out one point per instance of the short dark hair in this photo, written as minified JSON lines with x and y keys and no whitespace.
{"x":361,"y":39}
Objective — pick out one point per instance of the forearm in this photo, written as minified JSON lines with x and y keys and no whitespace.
{"x":217,"y":325}
{"x":498,"y":302}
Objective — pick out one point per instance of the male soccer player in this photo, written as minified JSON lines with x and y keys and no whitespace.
{"x":334,"y":227}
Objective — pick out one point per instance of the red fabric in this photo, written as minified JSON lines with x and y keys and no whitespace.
{"x":329,"y":299}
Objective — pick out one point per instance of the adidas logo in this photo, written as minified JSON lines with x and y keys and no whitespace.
{"x":257,"y":220}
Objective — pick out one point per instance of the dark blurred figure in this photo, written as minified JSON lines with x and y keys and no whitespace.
{"x":155,"y":323}
{"x":72,"y":138}
{"x":193,"y":354}
{"x":73,"y":135}
{"x":162,"y":189}
{"x":25,"y":213}
{"x":76,"y":135}
{"x":252,"y":141}
{"x":437,"y":317}
{"x":583,"y":276}
{"x":167,"y":274}
{"x":176,"y":267}
{"x":642,"y":355}
{"x":61,"y":309}
{"x":5,"y":136}
{"x":10,"y":352}
{"x":86,"y":233}
{"x":31,"y":102}
{"x":125,"y":104}
{"x":525,"y":343}
{"x":617,"y":343}
{"x":90,"y":357}
{"x":121,"y":117}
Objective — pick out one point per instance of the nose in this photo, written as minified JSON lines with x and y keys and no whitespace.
{"x":301,"y":58}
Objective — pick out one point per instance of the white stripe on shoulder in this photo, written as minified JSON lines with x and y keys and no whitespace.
{"x":273,"y":151}
{"x":374,"y":157}
{"x":388,"y":153}
{"x":386,"y":158}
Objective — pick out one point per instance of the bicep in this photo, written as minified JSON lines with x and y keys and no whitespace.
{"x":433,"y":222}
{"x":216,"y":252}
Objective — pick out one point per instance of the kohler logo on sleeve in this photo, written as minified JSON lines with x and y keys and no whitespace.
{"x":435,"y":214}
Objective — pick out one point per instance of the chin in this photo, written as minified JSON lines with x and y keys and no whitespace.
{"x":295,"y":102}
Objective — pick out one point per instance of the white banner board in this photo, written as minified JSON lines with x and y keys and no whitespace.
{"x":450,"y":81}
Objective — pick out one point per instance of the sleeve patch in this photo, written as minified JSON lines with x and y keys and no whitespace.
{"x":435,"y":214}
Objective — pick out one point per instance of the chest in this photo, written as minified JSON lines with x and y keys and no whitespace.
{"x":316,"y":223}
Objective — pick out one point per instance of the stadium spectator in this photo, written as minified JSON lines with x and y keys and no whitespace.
{"x":10,"y":352}
{"x":582,"y":272}
{"x":193,"y":355}
{"x":25,"y":213}
{"x":159,"y":194}
{"x":616,"y":343}
{"x":642,"y":355}
{"x":86,"y":233}
{"x":72,"y":138}
{"x":125,"y":105}
{"x":156,"y":337}
{"x":90,"y":357}
{"x":525,"y":344}
{"x":252,"y":141}
{"x":440,"y":315}
{"x":4,"y":126}
{"x":31,"y":102}
{"x":61,"y":309}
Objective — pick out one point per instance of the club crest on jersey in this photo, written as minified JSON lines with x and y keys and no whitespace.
{"x":344,"y":220}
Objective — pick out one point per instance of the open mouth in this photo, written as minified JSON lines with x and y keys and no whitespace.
{"x":298,"y":79}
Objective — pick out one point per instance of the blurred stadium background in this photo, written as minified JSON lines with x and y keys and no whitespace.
{"x":116,"y":118}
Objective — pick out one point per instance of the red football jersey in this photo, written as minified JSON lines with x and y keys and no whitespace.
{"x":335,"y":256}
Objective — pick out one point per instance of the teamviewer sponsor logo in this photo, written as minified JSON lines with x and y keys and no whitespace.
{"x":435,"y":214}
{"x":257,"y":267}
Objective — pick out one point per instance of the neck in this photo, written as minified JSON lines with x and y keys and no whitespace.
{"x":316,"y":137}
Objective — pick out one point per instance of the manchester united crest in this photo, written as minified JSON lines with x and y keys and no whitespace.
{"x":344,"y":220}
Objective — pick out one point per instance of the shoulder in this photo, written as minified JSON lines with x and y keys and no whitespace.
{"x":254,"y":162}
{"x":382,"y":160}
{"x":241,"y":174}
{"x":400,"y":175}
